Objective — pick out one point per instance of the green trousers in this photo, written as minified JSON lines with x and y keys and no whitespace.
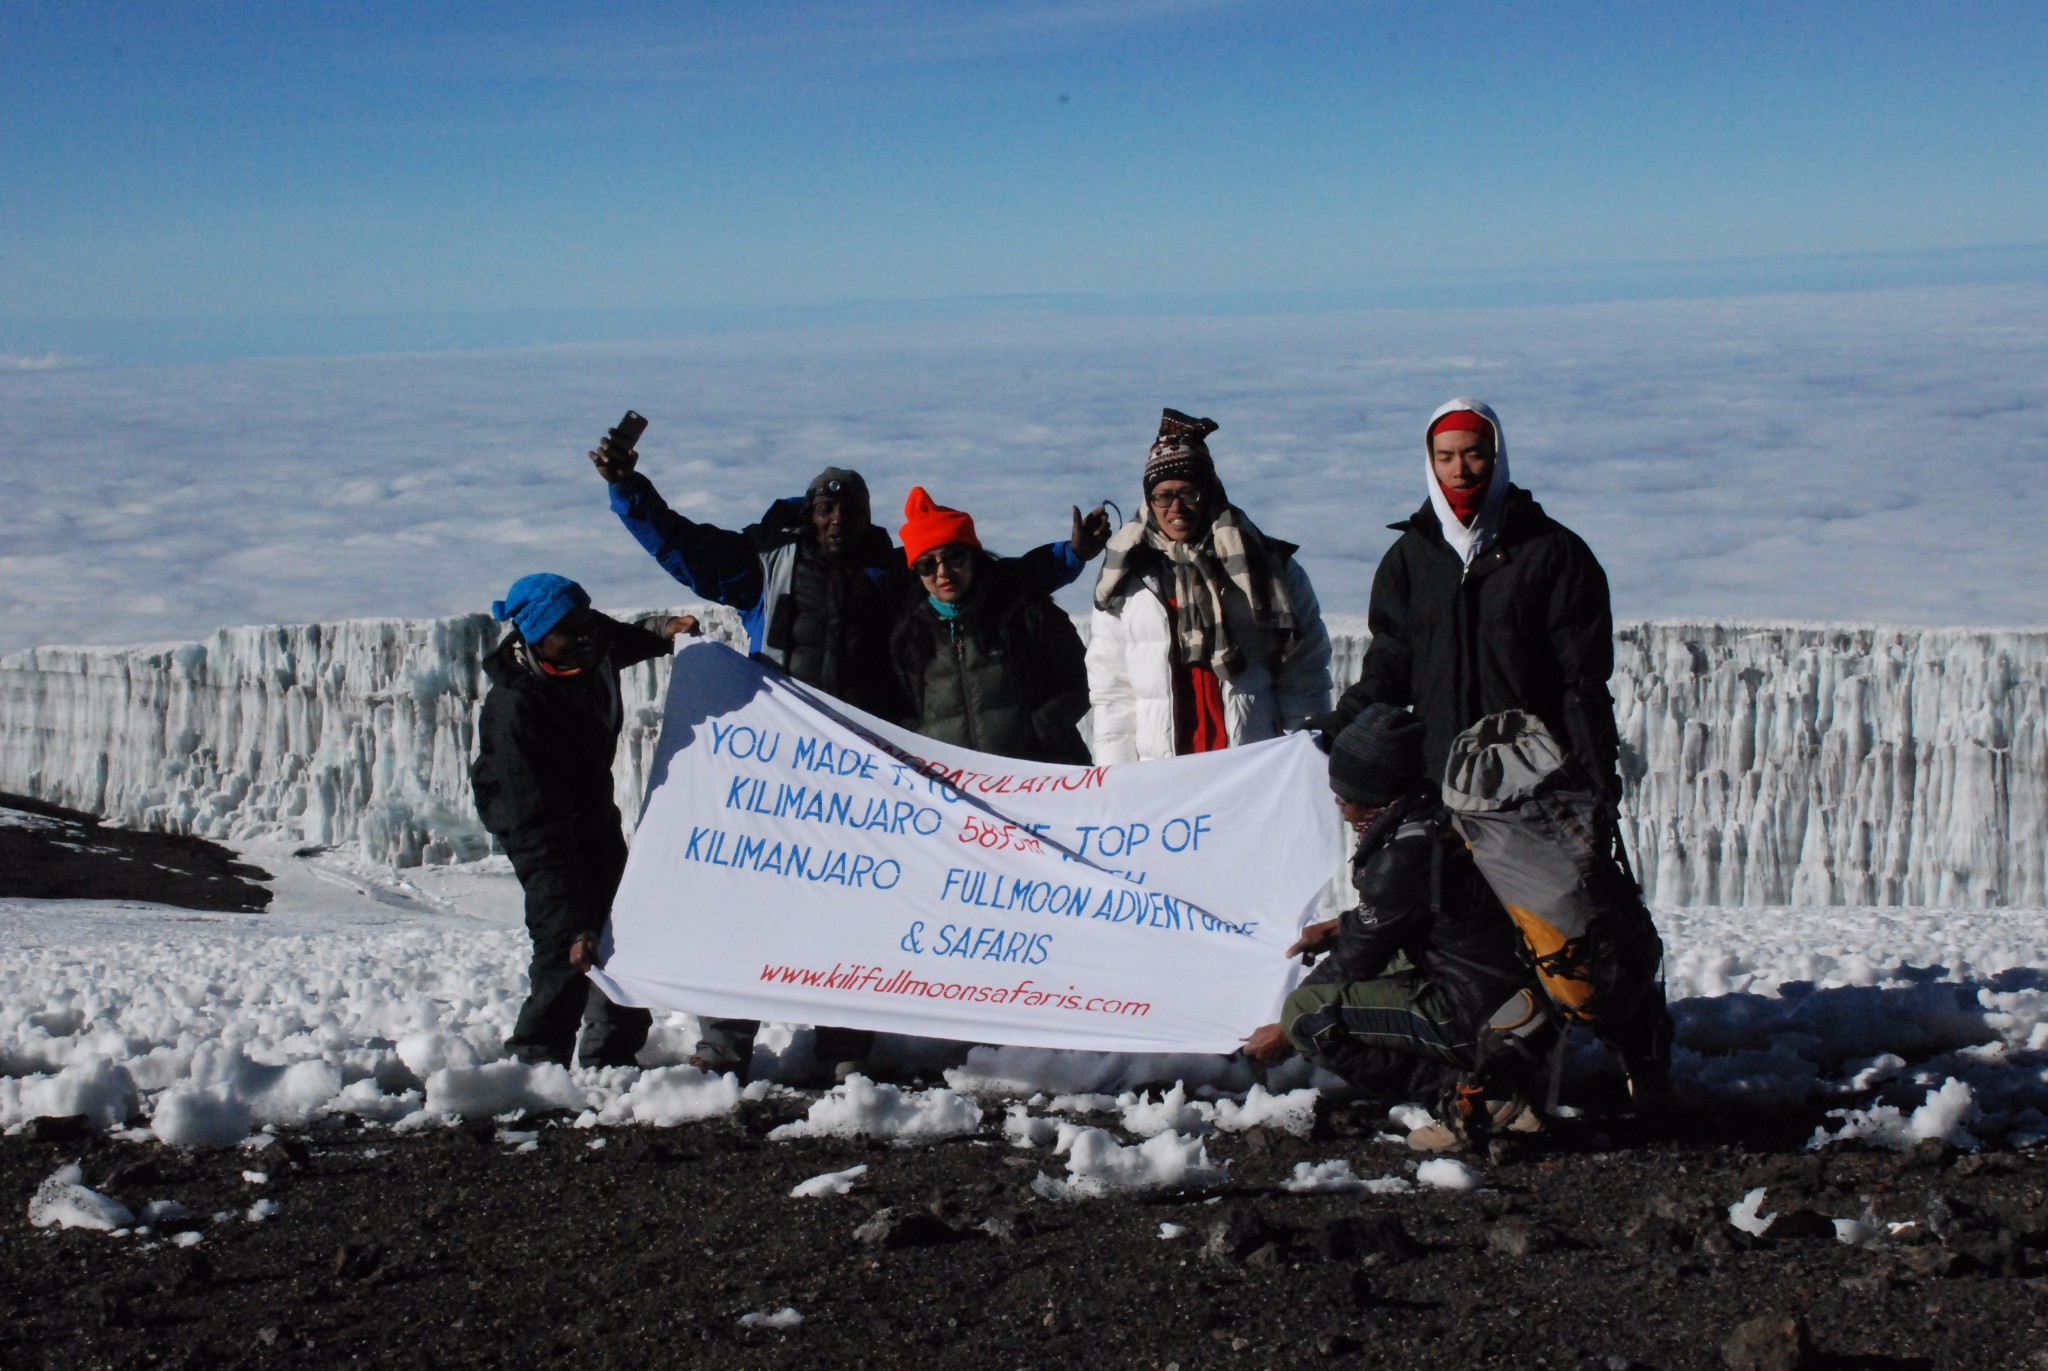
{"x":1394,"y":1034}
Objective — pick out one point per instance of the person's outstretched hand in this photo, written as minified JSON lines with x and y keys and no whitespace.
{"x":683,"y":626}
{"x":613,"y":466}
{"x":583,"y":953}
{"x":1314,"y":938}
{"x":1091,"y":532}
{"x":1267,"y":1043}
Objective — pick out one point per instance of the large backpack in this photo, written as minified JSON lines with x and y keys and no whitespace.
{"x":1535,"y":826}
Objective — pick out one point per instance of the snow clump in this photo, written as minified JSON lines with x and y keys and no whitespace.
{"x":831,"y":1183}
{"x":1098,"y":1165}
{"x":1447,"y":1173}
{"x":670,"y":1095}
{"x":1293,"y":1112}
{"x":1335,"y":1177}
{"x":1744,"y":1214}
{"x":859,"y":1107}
{"x":62,"y":1201}
{"x":500,"y":1088}
{"x":94,"y":1087}
{"x":785,"y":1317}
{"x":1945,"y":1114}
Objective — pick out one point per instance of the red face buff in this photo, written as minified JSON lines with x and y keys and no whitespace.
{"x":1464,"y":503}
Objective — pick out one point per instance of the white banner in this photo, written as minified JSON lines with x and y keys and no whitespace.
{"x":803,"y":862}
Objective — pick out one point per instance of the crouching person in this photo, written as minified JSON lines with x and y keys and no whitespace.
{"x":1424,"y":978}
{"x":543,"y":784}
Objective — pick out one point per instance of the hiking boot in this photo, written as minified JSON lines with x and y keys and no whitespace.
{"x":1471,"y":1118}
{"x":718,"y":1062}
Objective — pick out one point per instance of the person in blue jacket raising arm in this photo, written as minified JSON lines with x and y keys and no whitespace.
{"x":817,"y":585}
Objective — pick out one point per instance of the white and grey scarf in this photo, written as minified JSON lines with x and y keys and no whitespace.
{"x":1231,"y":552}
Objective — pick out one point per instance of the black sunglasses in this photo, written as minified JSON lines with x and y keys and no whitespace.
{"x":956,"y":559}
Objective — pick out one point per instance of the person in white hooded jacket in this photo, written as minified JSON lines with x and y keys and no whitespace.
{"x":1206,"y":632}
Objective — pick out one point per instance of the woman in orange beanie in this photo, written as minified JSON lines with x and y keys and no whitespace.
{"x":985,"y":663}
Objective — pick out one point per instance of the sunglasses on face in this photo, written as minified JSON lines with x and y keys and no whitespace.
{"x":953,"y":558}
{"x":1187,"y":498}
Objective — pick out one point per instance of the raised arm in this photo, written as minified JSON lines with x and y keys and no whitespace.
{"x":1054,"y":566}
{"x":717,"y":563}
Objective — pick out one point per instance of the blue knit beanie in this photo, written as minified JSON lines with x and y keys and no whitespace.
{"x":538,"y":602}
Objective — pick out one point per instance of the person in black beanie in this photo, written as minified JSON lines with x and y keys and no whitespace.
{"x":1427,"y":963}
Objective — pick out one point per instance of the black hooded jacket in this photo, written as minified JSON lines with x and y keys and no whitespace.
{"x":543,"y":776}
{"x":1007,"y":675}
{"x":1421,"y":895}
{"x":1527,"y":626}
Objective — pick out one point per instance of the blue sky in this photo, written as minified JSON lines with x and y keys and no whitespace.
{"x":226,"y":179}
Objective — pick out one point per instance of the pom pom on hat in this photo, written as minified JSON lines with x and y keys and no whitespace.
{"x":927,"y":524}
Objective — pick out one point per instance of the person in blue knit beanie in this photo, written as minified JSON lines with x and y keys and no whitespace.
{"x":543,"y":784}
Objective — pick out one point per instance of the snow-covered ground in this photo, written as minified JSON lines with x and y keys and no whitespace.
{"x":386,"y":995}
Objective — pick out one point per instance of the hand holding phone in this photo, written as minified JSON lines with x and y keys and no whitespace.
{"x":615,"y":457}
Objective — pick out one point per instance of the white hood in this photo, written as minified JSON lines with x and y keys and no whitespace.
{"x":1469,"y":542}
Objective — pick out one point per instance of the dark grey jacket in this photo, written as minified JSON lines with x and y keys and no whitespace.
{"x":1007,"y":675}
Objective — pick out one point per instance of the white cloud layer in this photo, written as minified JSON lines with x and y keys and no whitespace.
{"x":1871,"y":456}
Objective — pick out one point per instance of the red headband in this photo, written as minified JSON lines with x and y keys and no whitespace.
{"x":1461,"y":421}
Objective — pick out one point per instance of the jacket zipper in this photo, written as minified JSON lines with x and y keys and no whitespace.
{"x":960,"y":673}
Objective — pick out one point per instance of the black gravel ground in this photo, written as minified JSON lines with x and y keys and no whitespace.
{"x":452,"y":1249}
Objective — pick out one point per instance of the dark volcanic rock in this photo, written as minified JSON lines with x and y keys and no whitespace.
{"x":893,"y":1226}
{"x":63,"y":854}
{"x":1774,"y":1342}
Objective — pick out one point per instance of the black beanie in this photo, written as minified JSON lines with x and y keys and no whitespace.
{"x":847,"y":487}
{"x":1378,"y":757}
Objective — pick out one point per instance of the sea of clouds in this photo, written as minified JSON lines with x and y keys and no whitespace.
{"x":1849,"y":456}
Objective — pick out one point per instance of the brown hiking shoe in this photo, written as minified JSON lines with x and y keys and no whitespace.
{"x":1473,"y":1117}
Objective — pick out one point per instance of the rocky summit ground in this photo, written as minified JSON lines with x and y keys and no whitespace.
{"x":637,"y":1246}
{"x":532,"y":1242}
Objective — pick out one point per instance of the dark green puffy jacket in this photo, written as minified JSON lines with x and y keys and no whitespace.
{"x":1007,"y":675}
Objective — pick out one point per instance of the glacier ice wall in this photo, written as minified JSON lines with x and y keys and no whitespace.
{"x":357,"y":733}
{"x":1818,"y":765}
{"x":1765,"y":764}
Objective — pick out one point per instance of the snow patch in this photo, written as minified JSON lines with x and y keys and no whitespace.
{"x":785,"y":1317}
{"x":831,"y":1183}
{"x":861,"y":1108}
{"x":62,"y":1201}
{"x":1098,"y":1165}
{"x":1945,"y":1115}
{"x":1447,"y":1173}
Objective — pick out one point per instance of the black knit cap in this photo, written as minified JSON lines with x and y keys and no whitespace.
{"x":1181,"y":451}
{"x":1378,"y":757}
{"x":847,"y":487}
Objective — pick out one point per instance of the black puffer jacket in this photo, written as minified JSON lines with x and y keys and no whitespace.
{"x":1528,"y":626}
{"x":1007,"y":675}
{"x":543,"y":777}
{"x":1421,"y":895}
{"x":834,"y":624}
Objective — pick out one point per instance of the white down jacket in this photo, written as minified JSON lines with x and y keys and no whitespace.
{"x":1130,"y":671}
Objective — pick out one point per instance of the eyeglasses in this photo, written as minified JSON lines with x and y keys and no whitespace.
{"x":1188,"y":497}
{"x":955,"y":557}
